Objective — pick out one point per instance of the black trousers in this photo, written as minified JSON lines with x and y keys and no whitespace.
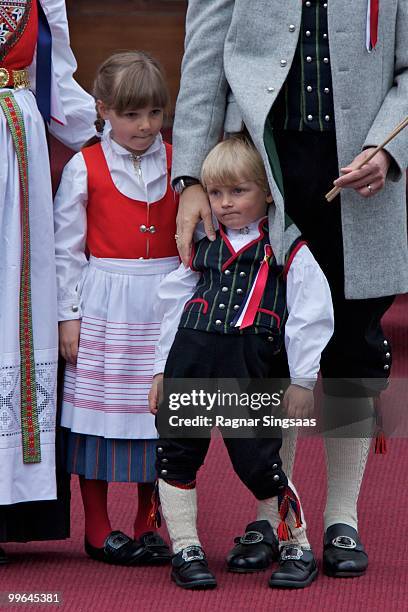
{"x":358,"y":349}
{"x":197,"y":354}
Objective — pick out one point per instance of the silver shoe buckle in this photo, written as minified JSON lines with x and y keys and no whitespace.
{"x":251,"y":537}
{"x":118,"y":540}
{"x":344,"y":542}
{"x":192,"y":553}
{"x":291,"y":553}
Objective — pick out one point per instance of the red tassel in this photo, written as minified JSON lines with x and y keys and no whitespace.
{"x":154,"y":518}
{"x":380,"y":439}
{"x":289,"y":500}
{"x":380,"y":444}
{"x":298,"y":512}
{"x":283,"y":532}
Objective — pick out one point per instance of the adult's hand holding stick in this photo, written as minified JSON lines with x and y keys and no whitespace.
{"x":336,"y":190}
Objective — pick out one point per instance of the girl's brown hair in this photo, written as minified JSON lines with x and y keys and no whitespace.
{"x":127,"y":81}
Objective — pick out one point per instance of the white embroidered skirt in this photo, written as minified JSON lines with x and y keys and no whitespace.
{"x":21,"y":482}
{"x":106,"y":393}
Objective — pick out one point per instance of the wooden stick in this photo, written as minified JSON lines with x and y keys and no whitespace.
{"x":333,"y":192}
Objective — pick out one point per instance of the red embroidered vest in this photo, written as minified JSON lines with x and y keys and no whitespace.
{"x":19,"y":27}
{"x":123,"y":228}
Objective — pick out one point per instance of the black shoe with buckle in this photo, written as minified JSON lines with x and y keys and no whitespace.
{"x":3,"y":557}
{"x":297,"y":568}
{"x":343,"y":553}
{"x":155,"y":549}
{"x":190,"y":569}
{"x":255,"y":550}
{"x":118,"y":549}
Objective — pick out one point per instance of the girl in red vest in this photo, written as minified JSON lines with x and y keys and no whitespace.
{"x":114,"y":227}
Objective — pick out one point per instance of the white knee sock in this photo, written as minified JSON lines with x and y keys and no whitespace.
{"x":346,"y":461}
{"x":288,"y":450}
{"x":179,"y":507}
{"x":268,"y":510}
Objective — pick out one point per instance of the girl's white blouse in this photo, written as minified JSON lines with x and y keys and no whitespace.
{"x":144,"y":179}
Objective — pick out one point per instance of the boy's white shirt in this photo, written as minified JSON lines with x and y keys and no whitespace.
{"x":310,"y":322}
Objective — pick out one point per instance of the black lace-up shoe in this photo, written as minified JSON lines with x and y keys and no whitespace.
{"x":297,"y":569}
{"x":190,"y":569}
{"x":343,"y":553}
{"x":155,"y":549}
{"x":118,"y":549}
{"x":3,"y":557}
{"x":255,"y":550}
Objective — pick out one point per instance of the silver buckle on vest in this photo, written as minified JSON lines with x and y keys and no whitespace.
{"x":344,"y":542}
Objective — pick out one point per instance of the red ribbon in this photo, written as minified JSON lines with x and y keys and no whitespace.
{"x":374,"y":9}
{"x":258,"y":291}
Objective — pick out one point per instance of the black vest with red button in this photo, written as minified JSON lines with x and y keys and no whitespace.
{"x":226,"y":280}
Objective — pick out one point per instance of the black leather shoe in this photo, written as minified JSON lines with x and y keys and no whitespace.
{"x":3,"y":557}
{"x":155,"y":549}
{"x":190,"y":569}
{"x":343,"y":553}
{"x":118,"y":549}
{"x":297,"y":569}
{"x":255,"y":550}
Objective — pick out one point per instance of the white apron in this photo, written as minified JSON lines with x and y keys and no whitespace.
{"x":18,"y":481}
{"x":106,"y":393}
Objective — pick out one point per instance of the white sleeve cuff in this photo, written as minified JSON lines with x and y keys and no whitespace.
{"x":69,"y":310}
{"x":306,"y":383}
{"x":159,"y":366}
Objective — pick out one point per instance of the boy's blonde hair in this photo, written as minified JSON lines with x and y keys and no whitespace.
{"x":233,"y":161}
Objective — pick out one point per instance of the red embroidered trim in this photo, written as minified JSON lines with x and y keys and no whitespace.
{"x":180,"y":485}
{"x":291,"y":257}
{"x":245,"y":247}
{"x":29,"y":415}
{"x":18,"y":26}
{"x":271,"y":313}
{"x":200,"y":300}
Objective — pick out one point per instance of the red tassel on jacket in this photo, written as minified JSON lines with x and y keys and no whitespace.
{"x":380,"y":447}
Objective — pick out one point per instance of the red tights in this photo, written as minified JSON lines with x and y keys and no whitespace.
{"x":95,"y":500}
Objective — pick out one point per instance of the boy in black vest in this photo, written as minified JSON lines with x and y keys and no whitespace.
{"x":234,"y":308}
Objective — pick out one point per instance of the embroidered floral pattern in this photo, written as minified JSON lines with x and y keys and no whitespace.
{"x":13,"y":20}
{"x":10,"y":414}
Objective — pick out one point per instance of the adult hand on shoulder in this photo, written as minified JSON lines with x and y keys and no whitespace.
{"x":298,"y":402}
{"x":194,"y":205}
{"x":370,"y":179}
{"x":155,"y":393}
{"x":69,"y":339}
